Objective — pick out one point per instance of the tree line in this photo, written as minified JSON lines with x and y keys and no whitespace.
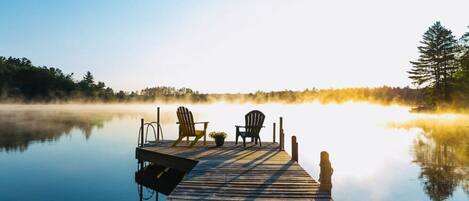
{"x":20,"y":81}
{"x":442,"y":70}
{"x":381,"y":95}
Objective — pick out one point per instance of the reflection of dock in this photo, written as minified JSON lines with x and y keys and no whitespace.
{"x":233,"y":173}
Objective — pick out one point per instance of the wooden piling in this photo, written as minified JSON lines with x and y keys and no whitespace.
{"x":157,"y":124}
{"x":273,"y":135}
{"x":294,"y":149}
{"x":142,"y":132}
{"x":282,"y":135}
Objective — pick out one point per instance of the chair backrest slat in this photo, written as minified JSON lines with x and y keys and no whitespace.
{"x":186,"y":121}
{"x":254,"y":121}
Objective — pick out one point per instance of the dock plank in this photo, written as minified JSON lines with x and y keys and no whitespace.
{"x":234,"y":173}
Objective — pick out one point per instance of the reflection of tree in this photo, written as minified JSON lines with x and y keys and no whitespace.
{"x":465,"y":184}
{"x":438,"y":170}
{"x":19,"y":128}
{"x":443,"y":155}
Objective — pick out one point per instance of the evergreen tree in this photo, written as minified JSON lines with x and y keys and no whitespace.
{"x":464,"y":52}
{"x":88,"y":80}
{"x":436,"y":65}
{"x":87,"y":85}
{"x":462,"y":76}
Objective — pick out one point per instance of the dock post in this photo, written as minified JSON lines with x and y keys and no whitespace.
{"x":294,"y":149}
{"x":273,"y":140}
{"x":282,"y":135}
{"x":141,"y":131}
{"x":157,"y":124}
{"x":325,"y":174}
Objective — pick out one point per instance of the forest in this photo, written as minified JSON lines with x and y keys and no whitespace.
{"x":23,"y":82}
{"x":440,"y":79}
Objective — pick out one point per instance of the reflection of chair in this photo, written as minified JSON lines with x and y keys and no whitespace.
{"x":253,"y":125}
{"x":187,"y":127}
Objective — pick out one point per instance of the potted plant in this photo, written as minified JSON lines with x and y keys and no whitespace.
{"x":219,"y":137}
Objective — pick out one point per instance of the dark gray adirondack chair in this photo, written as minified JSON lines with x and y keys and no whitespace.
{"x":187,"y":127}
{"x":253,"y":123}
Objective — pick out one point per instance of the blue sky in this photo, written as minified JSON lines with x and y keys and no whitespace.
{"x":226,"y":46}
{"x":77,"y":36}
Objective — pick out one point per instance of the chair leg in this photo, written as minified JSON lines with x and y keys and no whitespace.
{"x":195,"y":140}
{"x":237,"y":138}
{"x":260,"y":144}
{"x":205,"y":139}
{"x":177,"y":141}
{"x":244,"y":142}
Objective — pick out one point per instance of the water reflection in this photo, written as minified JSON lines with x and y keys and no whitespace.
{"x":21,"y":127}
{"x":442,"y":152}
{"x":154,"y":180}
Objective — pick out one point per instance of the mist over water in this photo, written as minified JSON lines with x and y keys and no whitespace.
{"x":86,"y":152}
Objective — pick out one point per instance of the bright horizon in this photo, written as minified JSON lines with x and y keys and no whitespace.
{"x":227,"y":46}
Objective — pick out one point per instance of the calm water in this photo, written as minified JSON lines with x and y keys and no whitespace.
{"x":73,"y":152}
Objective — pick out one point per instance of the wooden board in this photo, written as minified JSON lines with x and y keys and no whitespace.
{"x":234,"y":173}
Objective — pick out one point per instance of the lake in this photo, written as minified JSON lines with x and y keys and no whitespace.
{"x":87,"y":152}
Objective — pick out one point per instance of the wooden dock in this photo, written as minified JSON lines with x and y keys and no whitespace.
{"x":234,"y":173}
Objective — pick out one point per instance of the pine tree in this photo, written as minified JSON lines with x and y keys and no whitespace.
{"x":436,"y":64}
{"x":87,"y":85}
{"x":88,"y":79}
{"x":464,"y":52}
{"x":462,"y":76}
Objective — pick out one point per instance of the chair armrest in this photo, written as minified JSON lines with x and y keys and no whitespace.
{"x":249,"y":126}
{"x":205,"y":124}
{"x":201,"y":122}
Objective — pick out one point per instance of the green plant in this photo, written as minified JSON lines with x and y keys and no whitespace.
{"x":217,"y":135}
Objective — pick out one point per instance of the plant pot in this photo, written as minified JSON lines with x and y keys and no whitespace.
{"x":219,"y":141}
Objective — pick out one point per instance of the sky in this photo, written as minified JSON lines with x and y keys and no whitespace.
{"x":227,"y":46}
